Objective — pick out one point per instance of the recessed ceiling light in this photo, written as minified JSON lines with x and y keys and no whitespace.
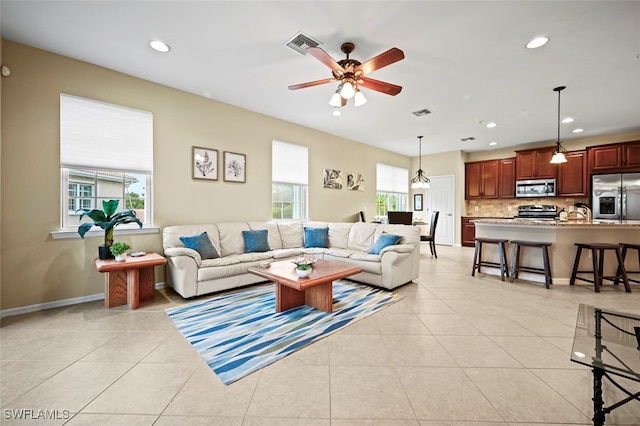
{"x":493,"y":143}
{"x":567,"y":120}
{"x":491,"y":125}
{"x":336,"y":113}
{"x":537,"y":42}
{"x":160,"y":46}
{"x":578,"y":130}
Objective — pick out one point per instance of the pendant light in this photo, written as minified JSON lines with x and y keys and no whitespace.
{"x":421,"y":180}
{"x":558,"y":154}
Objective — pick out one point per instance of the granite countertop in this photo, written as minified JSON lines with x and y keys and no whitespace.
{"x":577,"y":223}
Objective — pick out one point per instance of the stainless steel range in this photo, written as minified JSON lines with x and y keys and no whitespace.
{"x":537,"y":212}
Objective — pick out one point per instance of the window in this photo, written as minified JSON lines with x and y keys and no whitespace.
{"x":392,"y":185}
{"x":289,"y":181}
{"x":106,"y":153}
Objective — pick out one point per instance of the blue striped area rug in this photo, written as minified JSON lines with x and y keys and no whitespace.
{"x":239,"y":333}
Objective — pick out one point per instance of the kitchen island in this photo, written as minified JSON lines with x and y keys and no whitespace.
{"x":562,"y":236}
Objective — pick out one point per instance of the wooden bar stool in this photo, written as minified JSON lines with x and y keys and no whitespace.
{"x":630,"y":246}
{"x":515,"y":262}
{"x":502,"y":251}
{"x":597,"y":254}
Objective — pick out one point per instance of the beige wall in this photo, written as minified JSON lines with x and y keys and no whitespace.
{"x":37,"y":269}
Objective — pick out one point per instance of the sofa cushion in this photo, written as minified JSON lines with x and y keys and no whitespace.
{"x":361,"y":236}
{"x":256,"y":241}
{"x":316,"y":237}
{"x":231,"y":241}
{"x":275,"y":242}
{"x":201,"y":244}
{"x":285,"y":253}
{"x":291,"y":234}
{"x":339,"y":234}
{"x":383,"y":241}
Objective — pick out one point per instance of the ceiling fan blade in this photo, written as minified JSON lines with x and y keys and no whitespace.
{"x":343,"y":101}
{"x":382,"y":60}
{"x":311,"y":83}
{"x":324,"y":57}
{"x":380,"y":86}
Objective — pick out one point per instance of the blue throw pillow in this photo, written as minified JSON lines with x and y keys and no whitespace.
{"x":384,"y":240}
{"x":202,"y":244}
{"x":316,"y":237}
{"x":256,"y":241}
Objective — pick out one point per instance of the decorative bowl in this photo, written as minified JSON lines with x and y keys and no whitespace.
{"x":303,"y":273}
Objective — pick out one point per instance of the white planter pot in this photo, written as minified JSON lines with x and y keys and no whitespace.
{"x":303,"y":273}
{"x":121,"y":257}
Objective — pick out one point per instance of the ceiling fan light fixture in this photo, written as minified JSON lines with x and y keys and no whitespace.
{"x":558,"y":154}
{"x":336,"y":101}
{"x":347,"y":90}
{"x":358,"y":98}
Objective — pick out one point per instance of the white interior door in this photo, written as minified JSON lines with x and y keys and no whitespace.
{"x":440,"y":198}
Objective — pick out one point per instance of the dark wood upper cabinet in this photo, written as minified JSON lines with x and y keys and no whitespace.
{"x":573,"y":175}
{"x":620,"y":157}
{"x":507,"y":176}
{"x":535,"y":164}
{"x":481,"y":179}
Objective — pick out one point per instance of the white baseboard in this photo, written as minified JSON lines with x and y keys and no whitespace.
{"x":58,"y":303}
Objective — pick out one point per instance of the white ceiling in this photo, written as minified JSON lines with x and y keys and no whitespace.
{"x":464,"y":61}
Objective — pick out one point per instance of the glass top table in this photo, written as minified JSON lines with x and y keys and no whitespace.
{"x":609,"y":343}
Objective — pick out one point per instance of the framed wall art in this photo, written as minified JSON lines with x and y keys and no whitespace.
{"x":417,"y":202}
{"x":332,"y":178}
{"x":204,"y":163}
{"x":355,"y":182}
{"x":235,"y":167}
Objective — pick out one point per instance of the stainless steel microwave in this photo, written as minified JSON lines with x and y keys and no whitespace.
{"x":536,"y":188}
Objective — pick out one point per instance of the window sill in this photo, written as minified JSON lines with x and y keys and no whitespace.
{"x":73,"y":233}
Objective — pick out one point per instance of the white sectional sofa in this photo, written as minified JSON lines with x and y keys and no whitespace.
{"x":191,"y":275}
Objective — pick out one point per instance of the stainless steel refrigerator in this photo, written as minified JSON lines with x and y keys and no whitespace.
{"x":616,"y":196}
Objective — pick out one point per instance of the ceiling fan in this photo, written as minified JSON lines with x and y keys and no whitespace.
{"x":352,"y":74}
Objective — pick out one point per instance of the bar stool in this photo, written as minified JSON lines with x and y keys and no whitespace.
{"x":477,"y":258}
{"x":515,"y":263}
{"x":597,"y":253}
{"x":625,"y":247}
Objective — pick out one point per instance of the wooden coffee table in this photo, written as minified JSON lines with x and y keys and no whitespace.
{"x":316,"y":290}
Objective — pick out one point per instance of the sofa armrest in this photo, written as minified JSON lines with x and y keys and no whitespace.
{"x":183,"y":251}
{"x":398,"y":248}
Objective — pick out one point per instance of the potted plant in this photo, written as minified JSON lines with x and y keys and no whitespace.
{"x":304,"y":266}
{"x":118,"y":249}
{"x":107,"y":219}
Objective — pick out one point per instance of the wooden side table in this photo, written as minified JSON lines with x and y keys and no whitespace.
{"x":131,"y":281}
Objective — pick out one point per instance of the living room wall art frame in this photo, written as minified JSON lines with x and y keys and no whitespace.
{"x":204,"y":163}
{"x":417,"y":202}
{"x":355,"y":182}
{"x":235,"y":167}
{"x":332,"y":178}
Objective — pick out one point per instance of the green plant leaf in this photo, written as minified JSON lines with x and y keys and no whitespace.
{"x":110,"y":207}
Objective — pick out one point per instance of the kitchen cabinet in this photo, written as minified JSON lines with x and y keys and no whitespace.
{"x":573,"y":176}
{"x":507,"y":178}
{"x":620,"y":157}
{"x":481,"y":179}
{"x":468,"y":232}
{"x":535,"y":164}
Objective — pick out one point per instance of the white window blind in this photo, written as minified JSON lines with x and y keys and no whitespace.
{"x":99,"y":135}
{"x":392,"y":179}
{"x":290,"y":163}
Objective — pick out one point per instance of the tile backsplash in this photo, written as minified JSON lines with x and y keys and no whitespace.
{"x":509,"y":207}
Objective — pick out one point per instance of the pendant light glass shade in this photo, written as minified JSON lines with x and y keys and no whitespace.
{"x":558,"y":154}
{"x":347,"y":90}
{"x":359,"y":98}
{"x":420,"y":181}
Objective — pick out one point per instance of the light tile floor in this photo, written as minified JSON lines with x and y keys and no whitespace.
{"x":457,"y":350}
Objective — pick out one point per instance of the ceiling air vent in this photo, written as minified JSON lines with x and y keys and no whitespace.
{"x":470,"y":138}
{"x":421,"y":112}
{"x":301,"y":42}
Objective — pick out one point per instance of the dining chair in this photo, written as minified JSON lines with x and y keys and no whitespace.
{"x":432,"y":233}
